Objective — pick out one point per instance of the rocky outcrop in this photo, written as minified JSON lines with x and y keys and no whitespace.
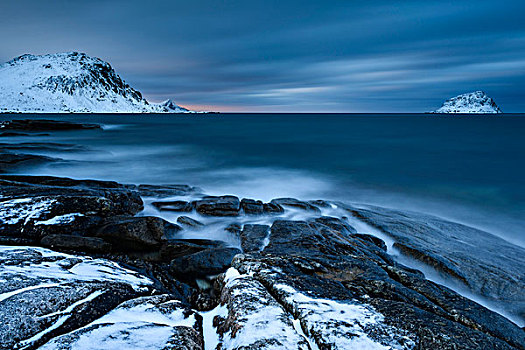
{"x":472,"y":103}
{"x":45,"y":293}
{"x":344,"y":292}
{"x":155,"y":322}
{"x":447,"y":247}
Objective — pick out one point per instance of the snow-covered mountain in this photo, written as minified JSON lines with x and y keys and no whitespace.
{"x":70,"y":83}
{"x":474,"y":103}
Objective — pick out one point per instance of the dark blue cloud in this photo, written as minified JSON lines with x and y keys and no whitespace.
{"x":289,"y":55}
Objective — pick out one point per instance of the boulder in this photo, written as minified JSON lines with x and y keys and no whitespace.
{"x":252,"y":207}
{"x":173,"y":206}
{"x":218,"y":206}
{"x":204,"y":263}
{"x":187,"y":221}
{"x":13,"y":161}
{"x":75,"y":243}
{"x":253,"y":237}
{"x":292,"y":202}
{"x":272,"y":208}
{"x":133,"y":233}
{"x":162,"y":191}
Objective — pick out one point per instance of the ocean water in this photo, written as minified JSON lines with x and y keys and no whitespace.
{"x":467,"y":168}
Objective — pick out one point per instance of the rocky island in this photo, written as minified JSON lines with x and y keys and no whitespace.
{"x":471,"y":103}
{"x":89,"y":264}
{"x":70,"y":82}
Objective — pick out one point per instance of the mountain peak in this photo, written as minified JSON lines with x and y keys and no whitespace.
{"x":477,"y":102}
{"x":69,"y":82}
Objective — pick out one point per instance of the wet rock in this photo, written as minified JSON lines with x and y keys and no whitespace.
{"x":207,"y":262}
{"x":320,"y":203}
{"x":173,"y":206}
{"x":35,"y":206}
{"x":448,"y":247}
{"x":335,"y":224}
{"x":176,"y":248}
{"x":252,"y":207}
{"x":42,"y":146}
{"x":166,"y":190}
{"x":292,"y":202}
{"x":171,"y":229}
{"x":189,"y":222}
{"x":272,"y":208}
{"x":44,"y":125}
{"x":253,"y":237}
{"x":13,"y":161}
{"x":76,"y":243}
{"x":153,"y":322}
{"x":123,"y":199}
{"x":133,"y":233}
{"x":234,"y":229}
{"x":373,"y":239}
{"x":345,"y":292}
{"x":218,"y":206}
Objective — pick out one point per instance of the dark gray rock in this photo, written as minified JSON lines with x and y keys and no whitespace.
{"x":16,"y":134}
{"x":252,"y":206}
{"x":14,"y":161}
{"x":292,"y":202}
{"x":305,"y":265}
{"x":187,"y":221}
{"x":75,"y":243}
{"x":373,"y":239}
{"x":218,"y":206}
{"x":234,"y":228}
{"x":253,"y":237}
{"x":176,"y":248}
{"x":471,"y":256}
{"x":173,"y":206}
{"x":44,"y":125}
{"x":272,"y":208}
{"x":161,"y":191}
{"x":133,"y":233}
{"x":335,"y":224}
{"x":207,"y":262}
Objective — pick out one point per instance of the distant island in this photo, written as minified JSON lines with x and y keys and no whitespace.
{"x":471,"y":103}
{"x":70,"y":82}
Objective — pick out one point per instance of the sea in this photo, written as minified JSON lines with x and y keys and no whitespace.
{"x":467,"y":168}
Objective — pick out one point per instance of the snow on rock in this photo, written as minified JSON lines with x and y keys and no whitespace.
{"x":44,"y":293}
{"x":155,"y":322}
{"x":255,"y":319}
{"x":70,"y":83}
{"x":23,"y":209}
{"x":341,"y":325}
{"x":471,"y":103}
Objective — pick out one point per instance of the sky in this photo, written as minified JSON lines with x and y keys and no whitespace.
{"x":288,"y":55}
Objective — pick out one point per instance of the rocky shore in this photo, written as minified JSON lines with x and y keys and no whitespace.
{"x":89,"y":264}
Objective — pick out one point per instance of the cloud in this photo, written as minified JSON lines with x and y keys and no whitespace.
{"x":288,"y":55}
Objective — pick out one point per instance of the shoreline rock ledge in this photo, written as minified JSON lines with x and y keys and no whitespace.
{"x":477,"y":102}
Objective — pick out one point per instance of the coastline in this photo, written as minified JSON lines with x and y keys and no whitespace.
{"x":296,"y":256}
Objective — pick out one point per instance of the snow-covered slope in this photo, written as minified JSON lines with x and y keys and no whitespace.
{"x":70,"y":83}
{"x":474,"y":103}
